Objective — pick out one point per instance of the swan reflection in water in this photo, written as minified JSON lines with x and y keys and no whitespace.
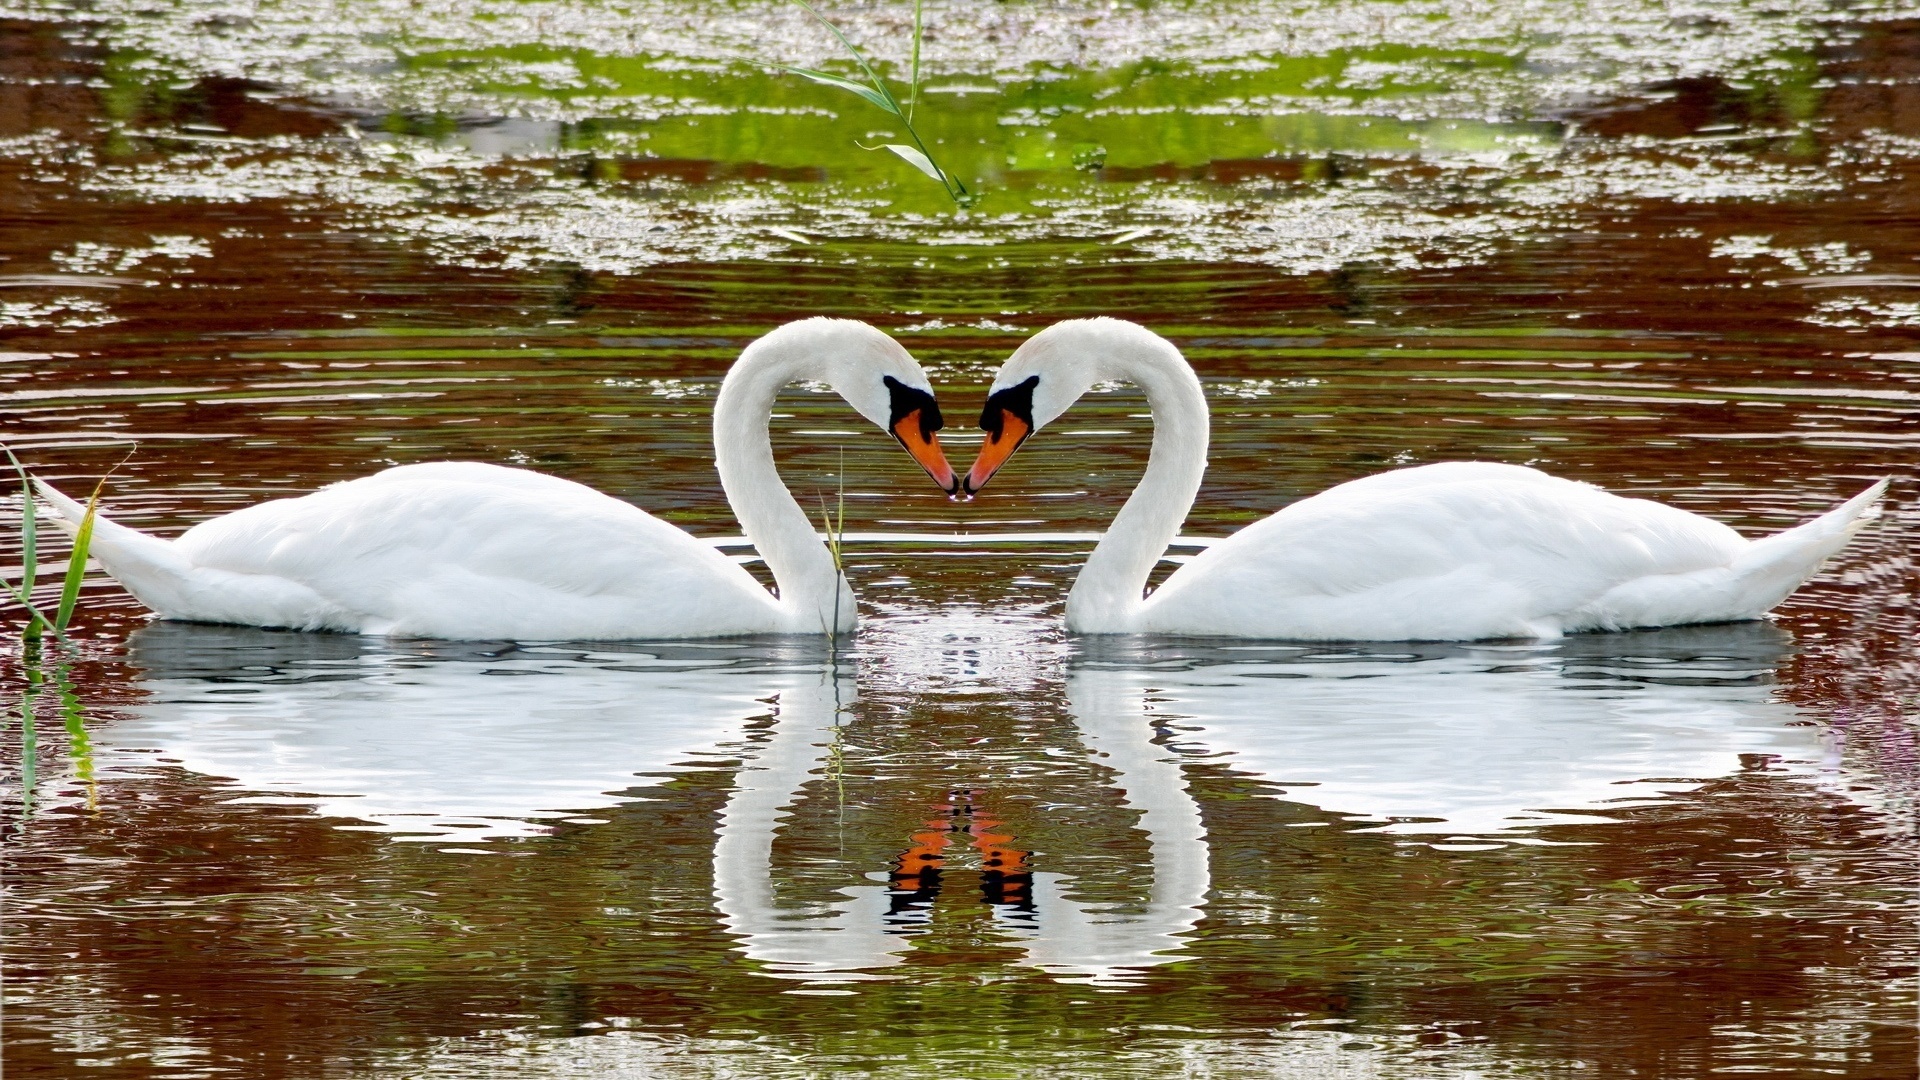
{"x":432,"y":740}
{"x":1480,"y":740}
{"x":1035,"y":909}
{"x":473,"y":741}
{"x":438,"y":740}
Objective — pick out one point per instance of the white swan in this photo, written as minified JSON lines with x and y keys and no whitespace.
{"x":1457,"y":551}
{"x":477,"y":551}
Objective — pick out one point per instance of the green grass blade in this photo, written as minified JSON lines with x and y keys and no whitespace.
{"x":880,"y":100}
{"x":40,"y":620}
{"x":916,"y":159}
{"x":839,"y":570}
{"x":860,"y":58}
{"x":913,"y":72}
{"x":77,"y":562}
{"x":29,"y":550}
{"x":833,"y":537}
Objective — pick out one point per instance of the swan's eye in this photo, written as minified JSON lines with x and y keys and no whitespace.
{"x":1015,"y":401}
{"x":906,"y":401}
{"x":1007,"y":420}
{"x":913,"y":418}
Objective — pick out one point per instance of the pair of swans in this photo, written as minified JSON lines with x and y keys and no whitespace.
{"x":1452,"y":551}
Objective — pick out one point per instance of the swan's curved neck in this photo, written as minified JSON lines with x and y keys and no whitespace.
{"x":1110,"y":589}
{"x":813,"y":593}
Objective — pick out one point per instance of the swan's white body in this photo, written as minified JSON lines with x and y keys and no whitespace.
{"x":1457,"y":551}
{"x":477,"y":551}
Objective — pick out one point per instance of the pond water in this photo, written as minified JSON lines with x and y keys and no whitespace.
{"x":263,"y":247}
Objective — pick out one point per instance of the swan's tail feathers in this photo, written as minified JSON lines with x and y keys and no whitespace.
{"x":1773,"y":566}
{"x":67,"y":513}
{"x":151,"y":568}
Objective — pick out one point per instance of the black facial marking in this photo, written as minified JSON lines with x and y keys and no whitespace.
{"x":906,"y":401}
{"x":1017,"y":400}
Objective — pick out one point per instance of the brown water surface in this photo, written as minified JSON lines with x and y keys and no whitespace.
{"x":1684,"y":266}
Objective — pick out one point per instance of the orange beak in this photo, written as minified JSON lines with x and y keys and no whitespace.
{"x":925,"y":448}
{"x":996,"y":450}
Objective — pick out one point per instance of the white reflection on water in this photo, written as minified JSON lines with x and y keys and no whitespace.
{"x":480,"y":741}
{"x":1059,"y":933}
{"x":1077,"y":939}
{"x":823,"y":942}
{"x":1476,"y":740}
{"x":477,"y":741}
{"x":474,"y":741}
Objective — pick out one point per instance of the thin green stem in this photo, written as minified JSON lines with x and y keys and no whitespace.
{"x":35,"y":616}
{"x":835,"y":526}
{"x":29,"y":553}
{"x":840,"y":507}
{"x":913,"y":75}
{"x":954,"y":187}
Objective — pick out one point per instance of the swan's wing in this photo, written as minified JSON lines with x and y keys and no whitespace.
{"x":468,"y":550}
{"x":1455,"y":551}
{"x":1439,"y":474}
{"x":475,"y":472}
